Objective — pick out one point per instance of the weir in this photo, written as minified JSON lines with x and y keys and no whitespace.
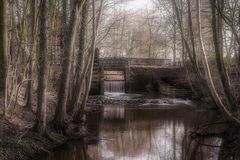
{"x":114,"y":81}
{"x":132,"y":75}
{"x":114,"y":86}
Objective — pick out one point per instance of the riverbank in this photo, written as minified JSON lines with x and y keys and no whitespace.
{"x":121,"y":131}
{"x":19,"y":142}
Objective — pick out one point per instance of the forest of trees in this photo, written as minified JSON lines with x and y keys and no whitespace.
{"x":49,"y":46}
{"x":211,"y":43}
{"x":48,"y":49}
{"x":35,"y":35}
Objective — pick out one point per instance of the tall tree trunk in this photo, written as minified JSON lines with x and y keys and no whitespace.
{"x":30,"y":69}
{"x":80,"y":58}
{"x":150,"y":37}
{"x":88,"y":84}
{"x":60,"y":114}
{"x":192,"y":37}
{"x":63,"y":27}
{"x":3,"y":46}
{"x":216,"y":97}
{"x":238,"y":62}
{"x":217,"y":28}
{"x":174,"y":36}
{"x":42,"y":71}
{"x":95,"y":25}
{"x":191,"y":53}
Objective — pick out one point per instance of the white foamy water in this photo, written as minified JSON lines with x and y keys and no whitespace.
{"x":121,"y":96}
{"x":167,"y":101}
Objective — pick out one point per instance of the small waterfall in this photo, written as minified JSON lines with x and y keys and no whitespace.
{"x":114,"y":86}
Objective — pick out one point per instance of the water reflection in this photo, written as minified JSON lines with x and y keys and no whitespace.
{"x":218,"y":144}
{"x":145,"y":133}
{"x":71,"y":151}
{"x":111,"y":113}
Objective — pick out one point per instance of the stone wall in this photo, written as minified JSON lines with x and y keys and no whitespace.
{"x":145,"y":79}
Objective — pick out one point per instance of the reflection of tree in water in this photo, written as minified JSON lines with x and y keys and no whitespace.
{"x":144,"y":134}
{"x":222,"y":143}
{"x":154,"y":134}
{"x":230,"y":144}
{"x":71,"y":151}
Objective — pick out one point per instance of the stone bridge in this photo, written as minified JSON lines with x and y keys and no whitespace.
{"x":123,"y":63}
{"x":133,"y":72}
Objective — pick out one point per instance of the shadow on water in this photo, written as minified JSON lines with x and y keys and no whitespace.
{"x":70,"y":151}
{"x":152,"y":133}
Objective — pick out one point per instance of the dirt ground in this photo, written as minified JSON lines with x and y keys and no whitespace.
{"x":18,"y":141}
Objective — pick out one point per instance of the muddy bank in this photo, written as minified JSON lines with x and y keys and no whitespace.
{"x":19,"y":142}
{"x":23,"y":144}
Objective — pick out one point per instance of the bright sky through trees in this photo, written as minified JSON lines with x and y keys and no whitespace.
{"x":138,"y":4}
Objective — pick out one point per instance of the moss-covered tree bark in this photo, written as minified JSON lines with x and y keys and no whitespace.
{"x":3,"y":48}
{"x":3,"y":44}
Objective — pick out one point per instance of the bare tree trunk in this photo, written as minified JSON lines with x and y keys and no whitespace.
{"x":88,"y":83}
{"x":60,"y":114}
{"x":191,"y":54}
{"x":63,"y":27}
{"x":190,"y":50}
{"x":3,"y":46}
{"x":217,"y":27}
{"x":192,"y":39}
{"x":93,"y":52}
{"x":239,"y":36}
{"x":29,"y":90}
{"x":122,"y":35}
{"x":210,"y":83}
{"x":174,"y":36}
{"x":80,"y":58}
{"x":150,"y":37}
{"x":42,"y":72}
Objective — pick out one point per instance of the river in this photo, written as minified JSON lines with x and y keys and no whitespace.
{"x":155,"y":130}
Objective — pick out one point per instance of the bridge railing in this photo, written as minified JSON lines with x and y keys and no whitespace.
{"x":115,"y":63}
{"x":149,"y":62}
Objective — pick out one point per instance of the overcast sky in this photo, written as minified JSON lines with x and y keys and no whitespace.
{"x":138,"y":4}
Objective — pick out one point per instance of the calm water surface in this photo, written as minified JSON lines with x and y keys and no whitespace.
{"x":145,"y":132}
